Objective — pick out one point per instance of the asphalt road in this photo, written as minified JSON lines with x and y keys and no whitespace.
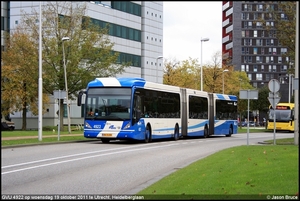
{"x":93,"y":168}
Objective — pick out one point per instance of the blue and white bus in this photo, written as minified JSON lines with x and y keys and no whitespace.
{"x":135,"y":109}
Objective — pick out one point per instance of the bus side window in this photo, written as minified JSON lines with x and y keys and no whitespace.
{"x":137,"y":108}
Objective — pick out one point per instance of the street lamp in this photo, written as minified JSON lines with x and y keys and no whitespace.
{"x":66,"y":82}
{"x":226,"y":70}
{"x":159,"y":57}
{"x":202,"y":40}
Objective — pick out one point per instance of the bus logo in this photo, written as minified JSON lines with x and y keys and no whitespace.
{"x":112,"y":127}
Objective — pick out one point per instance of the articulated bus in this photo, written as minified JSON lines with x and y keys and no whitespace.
{"x":284,"y":114}
{"x":135,"y":109}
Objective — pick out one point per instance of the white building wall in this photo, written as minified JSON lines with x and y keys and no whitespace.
{"x":150,"y":48}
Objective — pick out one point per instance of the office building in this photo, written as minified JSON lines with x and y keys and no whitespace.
{"x":249,"y":47}
{"x":138,"y":34}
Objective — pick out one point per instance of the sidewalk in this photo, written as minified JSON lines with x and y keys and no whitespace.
{"x":33,"y":137}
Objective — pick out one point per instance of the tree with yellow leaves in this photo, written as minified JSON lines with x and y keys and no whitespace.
{"x":19,"y":76}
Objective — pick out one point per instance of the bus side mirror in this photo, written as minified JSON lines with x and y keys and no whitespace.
{"x":81,"y":98}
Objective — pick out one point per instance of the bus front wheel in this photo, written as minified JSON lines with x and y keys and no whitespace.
{"x":148,"y":137}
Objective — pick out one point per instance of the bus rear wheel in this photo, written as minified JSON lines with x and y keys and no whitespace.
{"x":176,"y":133}
{"x":230,"y":132}
{"x":205,"y":132}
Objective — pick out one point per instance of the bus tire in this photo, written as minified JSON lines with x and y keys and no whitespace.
{"x":105,"y":141}
{"x":148,"y":136}
{"x":230,"y":132}
{"x":176,"y":133}
{"x":205,"y":132}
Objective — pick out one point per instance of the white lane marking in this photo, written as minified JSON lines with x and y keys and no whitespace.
{"x":82,"y":158}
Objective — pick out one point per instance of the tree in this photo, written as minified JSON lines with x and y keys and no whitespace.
{"x":88,"y":54}
{"x":19,"y":76}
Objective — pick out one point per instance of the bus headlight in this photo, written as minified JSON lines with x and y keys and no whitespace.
{"x":87,"y":125}
{"x":127,"y":125}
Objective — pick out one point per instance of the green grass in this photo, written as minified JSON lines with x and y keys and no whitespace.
{"x":64,"y":136}
{"x":236,"y":173}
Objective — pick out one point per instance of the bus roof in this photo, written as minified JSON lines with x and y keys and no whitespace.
{"x":291,"y":105}
{"x":116,"y":82}
{"x":140,"y":82}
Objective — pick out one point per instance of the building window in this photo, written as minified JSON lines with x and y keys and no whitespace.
{"x":247,"y":68}
{"x":255,"y":50}
{"x":258,"y":76}
{"x":247,"y":33}
{"x":255,"y":33}
{"x":284,"y":68}
{"x":262,"y":68}
{"x":242,"y":67}
{"x":270,"y":50}
{"x":255,"y":68}
{"x":283,"y":50}
{"x":258,"y":59}
{"x":258,"y":24}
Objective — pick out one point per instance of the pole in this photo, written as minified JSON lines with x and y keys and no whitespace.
{"x":296,"y":94}
{"x":202,"y":40}
{"x":40,"y":123}
{"x":201,"y":69}
{"x":223,"y":82}
{"x":248,"y":117}
{"x":274,"y":131}
{"x":58,"y":130}
{"x":67,"y":94}
{"x":289,"y":88}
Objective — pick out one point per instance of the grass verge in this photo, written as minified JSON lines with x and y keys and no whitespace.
{"x":244,"y":172}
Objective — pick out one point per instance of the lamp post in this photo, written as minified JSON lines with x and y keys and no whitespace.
{"x":226,"y":70}
{"x":202,"y":40}
{"x":159,"y":57}
{"x":66,"y":82}
{"x":40,"y":104}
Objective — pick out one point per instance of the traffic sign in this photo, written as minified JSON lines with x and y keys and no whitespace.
{"x":274,"y":99}
{"x":274,"y":85}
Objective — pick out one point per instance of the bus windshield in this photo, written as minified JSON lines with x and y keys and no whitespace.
{"x":281,"y":115}
{"x":108,"y":103}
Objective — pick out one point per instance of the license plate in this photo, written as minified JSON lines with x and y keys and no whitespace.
{"x":278,"y":128}
{"x":107,"y":134}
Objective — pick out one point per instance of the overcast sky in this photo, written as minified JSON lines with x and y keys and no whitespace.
{"x":185,"y":23}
